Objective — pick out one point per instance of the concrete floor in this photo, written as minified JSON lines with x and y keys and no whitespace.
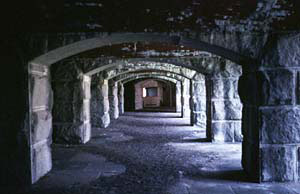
{"x":157,"y":153}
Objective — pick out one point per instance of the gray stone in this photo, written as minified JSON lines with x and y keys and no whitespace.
{"x":278,"y":87}
{"x":222,"y":88}
{"x":224,"y":131}
{"x":280,"y":125}
{"x":71,"y":133}
{"x":41,"y":92}
{"x":284,"y":53}
{"x":200,"y":119}
{"x":41,"y":126}
{"x":227,"y":110}
{"x":278,"y":163}
{"x":41,"y":160}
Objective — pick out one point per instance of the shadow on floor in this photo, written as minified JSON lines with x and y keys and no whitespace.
{"x":224,"y":175}
{"x":149,"y":116}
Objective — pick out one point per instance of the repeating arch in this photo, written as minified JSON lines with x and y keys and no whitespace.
{"x":119,"y":38}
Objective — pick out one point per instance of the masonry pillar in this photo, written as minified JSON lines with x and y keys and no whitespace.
{"x":199,"y":101}
{"x":71,"y":111}
{"x":113,"y":100}
{"x":226,"y":110}
{"x":121,"y":98}
{"x":41,"y":121}
{"x":271,"y":113}
{"x":100,"y":102}
{"x":178,"y":96}
{"x":185,"y":99}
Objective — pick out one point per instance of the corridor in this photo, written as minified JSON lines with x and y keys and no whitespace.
{"x":151,"y":153}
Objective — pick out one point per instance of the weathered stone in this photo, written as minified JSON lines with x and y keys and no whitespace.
{"x":200,"y":119}
{"x":41,"y":91}
{"x":222,"y":88}
{"x":199,"y":89}
{"x":224,"y":131}
{"x":41,"y":160}
{"x":227,"y":110}
{"x":278,"y":87}
{"x":100,"y":104}
{"x":121,"y":98}
{"x":199,"y":104}
{"x":71,"y":133}
{"x":113,"y":101}
{"x":278,"y":163}
{"x":284,"y":53}
{"x":280,"y":125}
{"x":178,"y":97}
{"x":41,"y":126}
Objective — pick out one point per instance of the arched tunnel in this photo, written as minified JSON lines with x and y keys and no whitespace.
{"x":143,"y":110}
{"x":158,"y":94}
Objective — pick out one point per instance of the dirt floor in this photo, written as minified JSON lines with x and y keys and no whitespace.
{"x":151,"y":153}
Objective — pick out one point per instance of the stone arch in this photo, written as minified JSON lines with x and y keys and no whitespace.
{"x":41,"y":97}
{"x":129,"y":79}
{"x":118,"y":38}
{"x":151,"y":67}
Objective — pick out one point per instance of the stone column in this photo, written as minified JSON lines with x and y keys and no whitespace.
{"x":121,"y":98}
{"x":185,"y":99}
{"x":41,"y":121}
{"x":71,"y":111}
{"x":113,"y":100}
{"x":178,"y":96}
{"x":271,"y":113}
{"x":226,"y":110}
{"x":199,"y":101}
{"x":100,"y":103}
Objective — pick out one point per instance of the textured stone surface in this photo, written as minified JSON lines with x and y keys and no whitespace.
{"x":222,"y":88}
{"x":178,"y":96}
{"x":280,"y":125}
{"x":284,"y":52}
{"x":41,"y":126}
{"x":279,"y":163}
{"x":227,"y":110}
{"x":71,"y":133}
{"x":41,"y":160}
{"x":41,"y":92}
{"x":225,"y":131}
{"x":113,"y":101}
{"x":100,"y":103}
{"x":185,"y":98}
{"x":278,"y":87}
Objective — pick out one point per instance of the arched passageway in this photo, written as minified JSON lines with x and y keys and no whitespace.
{"x":223,"y":107}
